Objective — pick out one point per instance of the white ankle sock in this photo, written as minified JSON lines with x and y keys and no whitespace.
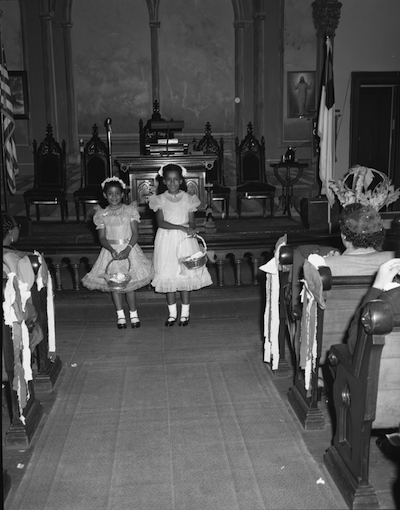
{"x":185,"y":310}
{"x":173,"y":310}
{"x":133,"y":315}
{"x":120,"y":314}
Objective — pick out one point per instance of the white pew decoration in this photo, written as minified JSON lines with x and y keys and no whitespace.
{"x":271,"y":314}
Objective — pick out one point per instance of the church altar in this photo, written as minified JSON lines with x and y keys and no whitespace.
{"x":141,"y":173}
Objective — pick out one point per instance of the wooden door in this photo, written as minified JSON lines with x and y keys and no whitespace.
{"x":375,"y":123}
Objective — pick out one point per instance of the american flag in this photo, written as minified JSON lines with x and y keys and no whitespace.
{"x":326,"y":126}
{"x":8,"y":126}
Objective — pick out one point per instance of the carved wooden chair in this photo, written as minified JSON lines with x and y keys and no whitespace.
{"x":50,"y":176}
{"x":250,"y":167}
{"x":215,"y":176}
{"x":95,"y":167}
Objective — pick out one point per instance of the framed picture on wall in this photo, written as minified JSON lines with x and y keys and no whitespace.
{"x":19,"y":90}
{"x":300,"y":94}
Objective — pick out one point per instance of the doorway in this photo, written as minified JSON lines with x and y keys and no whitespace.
{"x":375,"y":123}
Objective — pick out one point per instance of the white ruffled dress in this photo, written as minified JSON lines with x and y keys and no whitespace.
{"x":118,"y":232}
{"x":170,"y":245}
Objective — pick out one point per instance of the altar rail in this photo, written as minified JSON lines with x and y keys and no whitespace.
{"x":235,"y":267}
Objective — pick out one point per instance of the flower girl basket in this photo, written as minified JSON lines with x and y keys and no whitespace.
{"x":117,"y":280}
{"x":196,"y":260}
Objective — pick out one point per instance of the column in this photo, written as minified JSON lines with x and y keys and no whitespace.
{"x":155,"y":66}
{"x":239,"y":79}
{"x":259,"y":73}
{"x":73,"y":144}
{"x":46,"y":15}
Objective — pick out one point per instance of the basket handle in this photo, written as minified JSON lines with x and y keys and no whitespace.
{"x":201,"y":239}
{"x":117,"y":260}
{"x":194,"y":236}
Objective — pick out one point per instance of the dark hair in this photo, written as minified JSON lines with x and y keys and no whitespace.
{"x":170,"y":168}
{"x":113,"y":184}
{"x":362,"y":226}
{"x":7,"y":222}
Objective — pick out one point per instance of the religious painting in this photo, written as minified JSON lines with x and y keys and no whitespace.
{"x":19,"y":91}
{"x":300,"y":94}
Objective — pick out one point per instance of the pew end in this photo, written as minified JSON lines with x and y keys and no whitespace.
{"x":365,"y":397}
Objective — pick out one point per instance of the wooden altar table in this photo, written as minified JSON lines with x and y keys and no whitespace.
{"x":143,"y":171}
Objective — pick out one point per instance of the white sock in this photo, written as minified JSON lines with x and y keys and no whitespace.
{"x":185,"y":310}
{"x":120,"y":314}
{"x":133,"y":315}
{"x":173,"y":310}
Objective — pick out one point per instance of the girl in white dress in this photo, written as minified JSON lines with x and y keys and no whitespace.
{"x":175,"y":210}
{"x":118,"y":229}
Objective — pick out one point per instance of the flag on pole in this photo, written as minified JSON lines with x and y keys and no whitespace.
{"x":8,"y":126}
{"x":326,"y":126}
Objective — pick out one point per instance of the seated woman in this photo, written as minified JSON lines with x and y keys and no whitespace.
{"x":362,"y":234}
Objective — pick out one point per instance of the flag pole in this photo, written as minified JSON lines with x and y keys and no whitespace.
{"x":2,"y":102}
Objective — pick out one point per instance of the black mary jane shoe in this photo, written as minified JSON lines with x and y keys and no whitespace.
{"x":184,"y":321}
{"x":121,"y":323}
{"x":135,"y":323}
{"x":170,"y":321}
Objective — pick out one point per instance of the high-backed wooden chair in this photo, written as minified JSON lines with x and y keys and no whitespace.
{"x":50,"y":179}
{"x":250,"y":167}
{"x":95,"y":167}
{"x":215,"y":176}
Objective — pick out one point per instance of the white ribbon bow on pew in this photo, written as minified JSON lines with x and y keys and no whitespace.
{"x":271,"y":315}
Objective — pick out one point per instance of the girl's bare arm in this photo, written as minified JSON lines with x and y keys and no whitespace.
{"x":132,"y":241}
{"x":105,"y":244}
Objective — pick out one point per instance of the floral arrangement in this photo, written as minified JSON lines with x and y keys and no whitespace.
{"x":113,"y":179}
{"x":358,"y":187}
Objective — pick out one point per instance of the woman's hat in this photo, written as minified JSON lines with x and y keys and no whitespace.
{"x":361,"y":219}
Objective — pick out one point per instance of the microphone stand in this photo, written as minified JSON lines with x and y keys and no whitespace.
{"x":107,"y":124}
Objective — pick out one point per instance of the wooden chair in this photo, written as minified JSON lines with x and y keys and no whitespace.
{"x":95,"y":167}
{"x":50,"y":179}
{"x":215,"y":176}
{"x":250,"y":167}
{"x":365,"y":397}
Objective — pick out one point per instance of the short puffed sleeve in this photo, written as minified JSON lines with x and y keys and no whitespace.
{"x":155,"y":202}
{"x":98,"y":217}
{"x":194,"y":203}
{"x":133,"y":212}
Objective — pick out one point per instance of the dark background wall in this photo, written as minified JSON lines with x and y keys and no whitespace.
{"x":112,"y":66}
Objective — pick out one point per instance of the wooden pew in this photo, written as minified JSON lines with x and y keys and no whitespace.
{"x":25,"y":408}
{"x":339,"y":299}
{"x":289,"y":300}
{"x":365,"y":396}
{"x":48,"y":367}
{"x":24,"y":416}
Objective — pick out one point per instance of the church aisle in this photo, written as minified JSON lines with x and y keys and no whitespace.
{"x":168,"y":418}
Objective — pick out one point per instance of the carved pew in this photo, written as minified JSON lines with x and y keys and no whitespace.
{"x":25,"y":409}
{"x":329,"y":305}
{"x":365,"y":396}
{"x":26,"y":335}
{"x":290,"y":260}
{"x":48,"y":366}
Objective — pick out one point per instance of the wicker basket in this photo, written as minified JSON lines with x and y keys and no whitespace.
{"x":198,"y":262}
{"x":117,"y":281}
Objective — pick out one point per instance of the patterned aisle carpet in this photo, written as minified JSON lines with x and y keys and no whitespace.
{"x":167,"y":419}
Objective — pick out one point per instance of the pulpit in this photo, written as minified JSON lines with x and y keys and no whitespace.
{"x":143,"y":172}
